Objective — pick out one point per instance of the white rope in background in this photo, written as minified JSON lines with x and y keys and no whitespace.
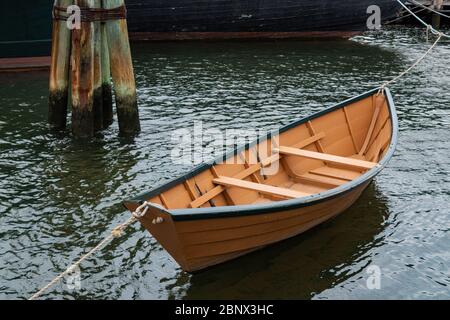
{"x":429,"y":9}
{"x":415,"y":64}
{"x":430,"y":28}
{"x":403,"y":17}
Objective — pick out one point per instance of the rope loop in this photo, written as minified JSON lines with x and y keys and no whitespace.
{"x":139,"y":213}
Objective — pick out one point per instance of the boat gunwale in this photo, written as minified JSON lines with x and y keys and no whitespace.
{"x":244,"y":210}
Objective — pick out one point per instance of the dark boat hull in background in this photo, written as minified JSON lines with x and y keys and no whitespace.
{"x":228,"y":19}
{"x":25,"y":27}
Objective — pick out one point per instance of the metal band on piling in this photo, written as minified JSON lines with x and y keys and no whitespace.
{"x":92,"y":14}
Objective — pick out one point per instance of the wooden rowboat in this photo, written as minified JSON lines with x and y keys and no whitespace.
{"x":223,"y":210}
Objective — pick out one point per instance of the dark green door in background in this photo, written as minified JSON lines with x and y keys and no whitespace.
{"x":25,"y":28}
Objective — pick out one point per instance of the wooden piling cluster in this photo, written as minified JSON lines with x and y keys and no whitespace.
{"x":84,"y":60}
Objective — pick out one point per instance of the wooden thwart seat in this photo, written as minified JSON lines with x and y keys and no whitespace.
{"x":321,"y":175}
{"x":361,"y":164}
{"x":241,"y":175}
{"x":252,"y":170}
{"x":261,"y":188}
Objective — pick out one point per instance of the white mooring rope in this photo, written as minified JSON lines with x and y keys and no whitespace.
{"x":430,"y":28}
{"x":415,"y":64}
{"x":403,"y":17}
{"x":115,"y":233}
{"x":429,"y":9}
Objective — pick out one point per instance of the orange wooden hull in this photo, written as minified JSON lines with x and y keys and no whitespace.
{"x":237,"y":209}
{"x":200,"y":244}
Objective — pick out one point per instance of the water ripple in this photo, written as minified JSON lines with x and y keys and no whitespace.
{"x":58,"y":197}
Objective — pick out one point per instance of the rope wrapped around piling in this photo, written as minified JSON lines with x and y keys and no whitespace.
{"x":92,"y":14}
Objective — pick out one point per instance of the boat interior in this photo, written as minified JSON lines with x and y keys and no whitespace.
{"x":312,"y":157}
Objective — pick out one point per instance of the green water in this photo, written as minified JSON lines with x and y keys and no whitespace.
{"x":59,"y":197}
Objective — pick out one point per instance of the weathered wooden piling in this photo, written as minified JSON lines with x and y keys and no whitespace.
{"x":122,"y":72}
{"x":107,"y":102}
{"x":83,"y":76}
{"x":59,"y":71}
{"x":436,"y":18}
{"x":98,"y":91}
{"x":96,"y":51}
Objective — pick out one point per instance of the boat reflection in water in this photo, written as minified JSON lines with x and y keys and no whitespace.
{"x":301,"y":267}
